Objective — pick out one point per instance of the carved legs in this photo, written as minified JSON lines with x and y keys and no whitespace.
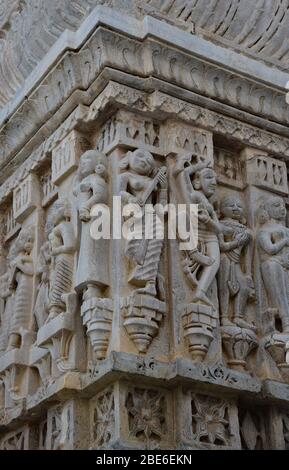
{"x":208,"y":274}
{"x":275,"y":280}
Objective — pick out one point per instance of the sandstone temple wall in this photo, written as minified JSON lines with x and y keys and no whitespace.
{"x":136,"y":344}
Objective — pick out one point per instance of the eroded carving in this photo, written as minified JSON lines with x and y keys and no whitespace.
{"x":145,"y":185}
{"x":103,"y":419}
{"x":196,"y":184}
{"x":62,"y":245}
{"x":147,"y":415}
{"x":21,"y":282}
{"x":210,"y":420}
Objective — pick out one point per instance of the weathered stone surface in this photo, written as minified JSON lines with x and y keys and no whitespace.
{"x":142,"y":343}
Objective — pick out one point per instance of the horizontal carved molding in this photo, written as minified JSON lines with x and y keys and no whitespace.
{"x":116,"y":96}
{"x":144,"y":57}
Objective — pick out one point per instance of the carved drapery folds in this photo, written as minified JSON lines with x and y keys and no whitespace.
{"x":195,"y":184}
{"x":144,"y":184}
{"x":92,"y":274}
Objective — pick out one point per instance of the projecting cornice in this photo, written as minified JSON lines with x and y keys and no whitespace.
{"x":146,"y":54}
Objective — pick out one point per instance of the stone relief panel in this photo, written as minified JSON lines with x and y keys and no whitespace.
{"x":90,"y":187}
{"x":229,"y":168}
{"x":66,"y":308}
{"x":102,"y":414}
{"x":267,"y":173}
{"x":235,"y":283}
{"x":242,"y":26}
{"x":207,"y":422}
{"x":147,"y":414}
{"x":194,"y":182}
{"x":144,"y":184}
{"x":130,"y":129}
{"x":26,"y":198}
{"x":253,"y":429}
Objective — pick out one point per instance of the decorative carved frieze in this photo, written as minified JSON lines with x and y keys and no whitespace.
{"x":161,"y":103}
{"x":139,"y":342}
{"x":252,"y":429}
{"x":129,"y":130}
{"x":65,"y":157}
{"x":102,"y":424}
{"x":268,"y":173}
{"x":147,"y":415}
{"x":49,"y":190}
{"x":97,"y":317}
{"x":229,"y":168}
{"x":26,"y":197}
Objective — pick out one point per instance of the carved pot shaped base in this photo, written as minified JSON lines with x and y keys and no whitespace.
{"x":97,"y":317}
{"x":276,"y":346}
{"x":199,"y":338}
{"x":56,"y":337}
{"x":238,"y":343}
{"x":141,"y":331}
{"x":199,"y":322}
{"x":142,"y":316}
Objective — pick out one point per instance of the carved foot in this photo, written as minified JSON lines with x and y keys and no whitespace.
{"x":201,"y":296}
{"x":241,"y":323}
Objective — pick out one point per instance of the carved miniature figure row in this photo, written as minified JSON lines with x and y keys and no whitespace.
{"x":226,"y":277}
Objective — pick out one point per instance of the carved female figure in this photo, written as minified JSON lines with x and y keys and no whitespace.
{"x":143,"y":184}
{"x":235,"y":282}
{"x":63,"y":246}
{"x":90,"y":188}
{"x":43,"y":269}
{"x":196,"y":184}
{"x":273,"y":243}
{"x":21,"y":281}
{"x":6,"y":294}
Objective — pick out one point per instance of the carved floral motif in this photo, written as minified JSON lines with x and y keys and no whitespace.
{"x":147,"y":414}
{"x":103,"y":422}
{"x":210,"y":420}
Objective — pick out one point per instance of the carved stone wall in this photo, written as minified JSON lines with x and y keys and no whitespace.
{"x":120,"y":343}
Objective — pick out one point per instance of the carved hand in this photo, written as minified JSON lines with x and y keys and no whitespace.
{"x":84,"y":214}
{"x":243,"y":238}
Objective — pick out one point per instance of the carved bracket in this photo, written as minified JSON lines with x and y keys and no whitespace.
{"x":238,"y":343}
{"x":97,"y":317}
{"x":142,"y":315}
{"x":199,"y":322}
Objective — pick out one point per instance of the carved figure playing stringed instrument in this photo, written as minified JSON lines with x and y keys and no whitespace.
{"x":144,"y":184}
